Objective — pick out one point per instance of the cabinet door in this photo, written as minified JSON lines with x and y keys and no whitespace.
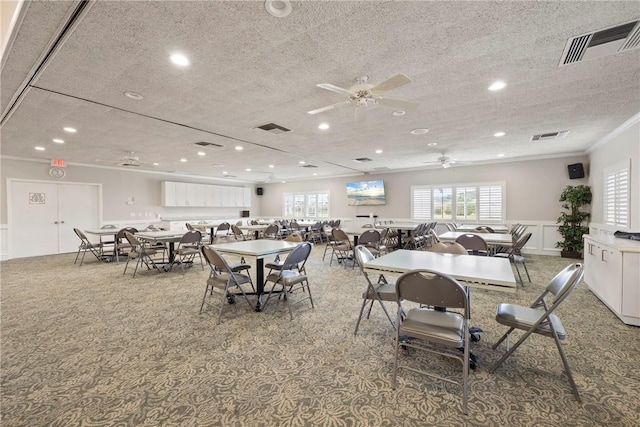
{"x":631,"y":285}
{"x":168,"y":193}
{"x":610,"y":276}
{"x":180,"y":194}
{"x":201,"y":195}
{"x":217,"y":196}
{"x":246,"y":195}
{"x":190,"y":195}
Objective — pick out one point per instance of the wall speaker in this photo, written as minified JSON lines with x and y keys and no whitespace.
{"x":244,"y":214}
{"x":259,"y":191}
{"x":576,"y":171}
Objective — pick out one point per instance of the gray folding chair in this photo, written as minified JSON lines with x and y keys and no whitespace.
{"x":474,"y":244}
{"x":440,"y":332}
{"x":188,"y":248}
{"x":86,"y":245}
{"x":514,"y":253}
{"x":371,"y":240}
{"x":142,"y":252}
{"x":380,"y":291}
{"x":221,"y":281}
{"x":540,"y":318}
{"x":292,"y":276}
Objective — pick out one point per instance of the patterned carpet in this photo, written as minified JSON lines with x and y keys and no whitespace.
{"x":87,"y":346}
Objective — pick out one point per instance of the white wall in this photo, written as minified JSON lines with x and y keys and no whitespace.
{"x":622,"y":144}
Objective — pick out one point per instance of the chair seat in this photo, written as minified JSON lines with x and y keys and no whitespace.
{"x":274,"y":265}
{"x":444,"y":328}
{"x":147,"y":252}
{"x":386,"y":291}
{"x":220,"y":280}
{"x":239,"y":267}
{"x":188,"y":250}
{"x":286,"y":277}
{"x":519,"y":317}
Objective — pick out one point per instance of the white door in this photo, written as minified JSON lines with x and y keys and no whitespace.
{"x":42,"y":216}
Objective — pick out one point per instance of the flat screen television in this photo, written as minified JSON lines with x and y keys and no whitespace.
{"x":366,"y":193}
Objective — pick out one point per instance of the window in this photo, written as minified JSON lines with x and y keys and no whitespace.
{"x":306,"y":205}
{"x":616,"y":195}
{"x":480,"y":202}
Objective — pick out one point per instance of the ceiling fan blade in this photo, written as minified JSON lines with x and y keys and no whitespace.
{"x":334,"y":88}
{"x":392,"y":83}
{"x":361,"y":114}
{"x":329,"y":107}
{"x":397,"y":103}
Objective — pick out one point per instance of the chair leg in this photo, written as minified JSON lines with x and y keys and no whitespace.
{"x":567,"y":369}
{"x":527,"y":271}
{"x":77,"y":255}
{"x":364,"y":303}
{"x":515,"y":264}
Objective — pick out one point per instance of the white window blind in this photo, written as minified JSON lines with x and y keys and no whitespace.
{"x":476,"y":202}
{"x":491,"y":203}
{"x":616,"y":195}
{"x":421,"y":200}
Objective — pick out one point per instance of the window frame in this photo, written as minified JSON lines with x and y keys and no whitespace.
{"x":319,"y":196}
{"x":427,"y":199}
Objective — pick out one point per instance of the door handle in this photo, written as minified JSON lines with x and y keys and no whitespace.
{"x":55,"y":222}
{"x":61,"y":222}
{"x":602,"y":255}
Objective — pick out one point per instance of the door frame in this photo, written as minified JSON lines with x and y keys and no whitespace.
{"x":11,"y":181}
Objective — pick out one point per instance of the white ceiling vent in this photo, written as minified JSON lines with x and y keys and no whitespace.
{"x":602,"y":43}
{"x":551,"y":135}
{"x":273,"y":128}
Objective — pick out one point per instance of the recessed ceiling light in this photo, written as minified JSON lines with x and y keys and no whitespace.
{"x":58,"y":140}
{"x":399,"y":113}
{"x":302,"y":162}
{"x":39,"y":148}
{"x":239,"y":147}
{"x":70,"y":130}
{"x":179,"y":59}
{"x":225,"y":172}
{"x":183,"y":160}
{"x":315,"y":174}
{"x":499,"y":134}
{"x":134,"y":95}
{"x":432,"y":144}
{"x":278,"y":8}
{"x":284,"y":182}
{"x":497,"y":85}
{"x":156,"y":164}
{"x":500,"y":155}
{"x":248,"y":170}
{"x":420,"y":131}
{"x":201,"y":153}
{"x":378,"y":151}
{"x":323,"y":126}
{"x":271,"y":166}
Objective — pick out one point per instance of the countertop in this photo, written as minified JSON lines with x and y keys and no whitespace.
{"x":623,"y":245}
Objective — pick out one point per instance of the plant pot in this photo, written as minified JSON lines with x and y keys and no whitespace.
{"x":570,"y":254}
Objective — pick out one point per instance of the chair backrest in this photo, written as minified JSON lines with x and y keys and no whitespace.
{"x":272,"y":230}
{"x":434,"y":236}
{"x":565,"y":280}
{"x":237,"y":232}
{"x":215,"y":260}
{"x":189,"y":226}
{"x":453,"y":248}
{"x":429,"y":287}
{"x":297,"y":257}
{"x":293,"y":237}
{"x":363,"y":255}
{"x":133,"y":240}
{"x":367,"y":226}
{"x":369,"y":237}
{"x":107,"y":226}
{"x":223,"y":227}
{"x":516,"y":248}
{"x":340,"y":236}
{"x":472,"y":242}
{"x":120,"y":234}
{"x":152,"y":227}
{"x":191,"y":237}
{"x":81,"y":235}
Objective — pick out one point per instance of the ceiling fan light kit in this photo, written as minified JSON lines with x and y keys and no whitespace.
{"x":362,"y":94}
{"x":278,"y":8}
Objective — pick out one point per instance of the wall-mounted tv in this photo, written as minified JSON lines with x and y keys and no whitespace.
{"x":366,"y":193}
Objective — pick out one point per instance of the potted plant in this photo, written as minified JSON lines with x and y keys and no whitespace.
{"x":572,"y":221}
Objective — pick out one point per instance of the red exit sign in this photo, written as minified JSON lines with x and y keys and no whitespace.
{"x":58,"y":163}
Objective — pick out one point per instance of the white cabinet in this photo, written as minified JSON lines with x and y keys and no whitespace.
{"x":612,"y":272}
{"x":204,"y":195}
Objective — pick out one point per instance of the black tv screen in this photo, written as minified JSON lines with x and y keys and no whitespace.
{"x":366,"y":193}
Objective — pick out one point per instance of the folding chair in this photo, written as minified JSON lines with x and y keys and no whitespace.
{"x":441,"y":332}
{"x":514,"y":253}
{"x":86,"y":245}
{"x":540,"y":318}
{"x":188,"y":248}
{"x":142,"y":253}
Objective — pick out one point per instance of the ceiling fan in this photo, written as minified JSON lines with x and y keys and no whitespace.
{"x":444,"y":161}
{"x":130,"y":160}
{"x":363,"y":94}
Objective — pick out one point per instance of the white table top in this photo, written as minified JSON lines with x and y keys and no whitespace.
{"x":161,"y":235}
{"x":490,"y":238}
{"x":103,"y":231}
{"x":475,"y":271}
{"x":253,"y":227}
{"x":399,"y":225}
{"x":257,"y":248}
{"x":498,"y":228}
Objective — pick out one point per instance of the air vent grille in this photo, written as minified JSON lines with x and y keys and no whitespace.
{"x":208,"y":144}
{"x":602,"y":43}
{"x":309,"y":166}
{"x":273,"y":128}
{"x":362,"y":160}
{"x":550,"y":135}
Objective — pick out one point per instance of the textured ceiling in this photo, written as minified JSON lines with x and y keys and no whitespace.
{"x":249,"y":68}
